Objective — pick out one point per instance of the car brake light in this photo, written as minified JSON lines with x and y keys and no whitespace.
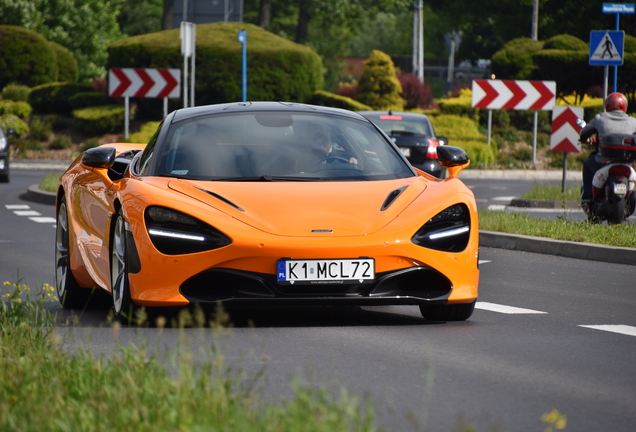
{"x":431,"y":152}
{"x":390,"y":117}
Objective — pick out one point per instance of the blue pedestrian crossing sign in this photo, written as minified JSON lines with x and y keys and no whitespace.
{"x":606,"y":47}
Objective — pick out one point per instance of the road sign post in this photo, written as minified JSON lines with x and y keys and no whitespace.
{"x":618,"y":9}
{"x":242,"y":38}
{"x":565,"y":133}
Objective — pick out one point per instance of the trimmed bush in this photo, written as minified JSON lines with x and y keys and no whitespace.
{"x":514,"y":60}
{"x":566,"y":42}
{"x":89,"y":143}
{"x":145,"y":133}
{"x":21,"y":109}
{"x":13,"y":121}
{"x":102,"y":119}
{"x":41,"y":130}
{"x":54,"y":98}
{"x":325,"y":98}
{"x":279,"y":69}
{"x":379,"y":86}
{"x":414,"y":92}
{"x":26,"y":57}
{"x":457,"y":128}
{"x":89,"y":99}
{"x":479,"y":153}
{"x":460,"y":106}
{"x":15,"y":92}
{"x":61,"y":142}
{"x":67,"y":69}
{"x":22,"y":146}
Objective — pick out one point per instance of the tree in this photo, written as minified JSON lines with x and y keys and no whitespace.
{"x":139,"y":17}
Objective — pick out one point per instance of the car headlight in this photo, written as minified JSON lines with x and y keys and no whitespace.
{"x":176,"y":233}
{"x":3,"y":143}
{"x":449,"y":230}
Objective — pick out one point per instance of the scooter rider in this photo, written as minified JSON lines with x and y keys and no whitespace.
{"x":613,"y":121}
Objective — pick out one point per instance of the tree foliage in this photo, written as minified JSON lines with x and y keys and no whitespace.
{"x":85,"y":27}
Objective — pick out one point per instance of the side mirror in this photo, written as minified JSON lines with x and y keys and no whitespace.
{"x":454,"y":159}
{"x":442,"y":140}
{"x":99,"y":157}
{"x":12,"y":132}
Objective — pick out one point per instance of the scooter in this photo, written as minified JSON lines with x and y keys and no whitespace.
{"x":614,"y":184}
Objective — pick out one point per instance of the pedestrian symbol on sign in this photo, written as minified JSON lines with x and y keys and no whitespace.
{"x":606,"y":48}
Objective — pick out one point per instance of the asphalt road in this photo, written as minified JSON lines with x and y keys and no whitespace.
{"x":548,"y":333}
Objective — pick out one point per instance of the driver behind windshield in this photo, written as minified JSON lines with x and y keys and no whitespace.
{"x":320,"y":150}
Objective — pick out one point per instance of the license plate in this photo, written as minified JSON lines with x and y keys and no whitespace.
{"x":338,"y":271}
{"x":620,"y":188}
{"x":406,"y":151}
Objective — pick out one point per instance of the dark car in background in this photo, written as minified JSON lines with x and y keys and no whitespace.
{"x":414,"y":134}
{"x":5,"y":154}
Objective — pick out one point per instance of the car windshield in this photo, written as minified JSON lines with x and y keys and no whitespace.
{"x":395,"y":124}
{"x":279,"y":146}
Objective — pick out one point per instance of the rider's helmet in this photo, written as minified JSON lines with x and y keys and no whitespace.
{"x":616,"y":102}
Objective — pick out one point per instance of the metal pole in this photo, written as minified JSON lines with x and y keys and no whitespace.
{"x":420,"y":42}
{"x":534,"y":138}
{"x":535,"y":20}
{"x":565,"y":170}
{"x":414,"y":50}
{"x":185,"y":81}
{"x":605,"y":82}
{"x":245,"y":69}
{"x":489,"y":125}
{"x":194,"y":44}
{"x":165,"y":107}
{"x":616,"y":67}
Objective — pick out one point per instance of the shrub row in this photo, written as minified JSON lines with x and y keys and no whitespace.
{"x":101,"y":119}
{"x":325,"y":98}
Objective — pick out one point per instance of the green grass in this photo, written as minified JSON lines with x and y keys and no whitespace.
{"x":560,"y":229}
{"x":49,"y":183}
{"x":46,"y":386}
{"x":553,"y":193}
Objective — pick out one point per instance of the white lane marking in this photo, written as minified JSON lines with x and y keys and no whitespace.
{"x":484,"y":261}
{"x":16,"y":206}
{"x":481,"y":200}
{"x":510,"y":198}
{"x":43,"y":219}
{"x":497,"y":207}
{"x":493,"y":307}
{"x":541,"y":210}
{"x":614,"y":328}
{"x":27,"y":213}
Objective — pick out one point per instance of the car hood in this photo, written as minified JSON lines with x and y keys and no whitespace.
{"x":308,"y":208}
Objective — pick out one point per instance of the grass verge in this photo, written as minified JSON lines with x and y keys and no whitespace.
{"x":49,"y":183}
{"x":553,"y":193}
{"x":45,"y":387}
{"x":560,"y":229}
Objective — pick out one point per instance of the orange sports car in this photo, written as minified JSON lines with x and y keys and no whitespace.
{"x":265,"y":204}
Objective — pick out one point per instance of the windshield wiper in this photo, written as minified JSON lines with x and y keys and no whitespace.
{"x":267,"y":178}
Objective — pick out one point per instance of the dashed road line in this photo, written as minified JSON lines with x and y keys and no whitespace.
{"x":16,"y":206}
{"x":493,"y":307}
{"x":25,"y":210}
{"x":27,"y":213}
{"x":43,"y":219}
{"x":614,"y":328}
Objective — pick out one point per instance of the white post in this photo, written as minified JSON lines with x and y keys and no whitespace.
{"x":165,"y":107}
{"x":489,"y":125}
{"x":534,"y":138}
{"x":420,"y":42}
{"x":127,"y":117}
{"x":605,"y":83}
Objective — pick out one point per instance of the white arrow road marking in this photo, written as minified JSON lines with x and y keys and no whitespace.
{"x":493,"y":307}
{"x":621,"y":329}
{"x":27,"y":213}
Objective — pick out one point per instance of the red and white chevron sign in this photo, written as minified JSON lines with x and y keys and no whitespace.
{"x":565,"y":131}
{"x":149,"y":83}
{"x":514,"y":94}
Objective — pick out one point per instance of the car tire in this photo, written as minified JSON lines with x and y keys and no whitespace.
{"x":70,"y":294}
{"x":447,"y":312}
{"x":123,"y":306}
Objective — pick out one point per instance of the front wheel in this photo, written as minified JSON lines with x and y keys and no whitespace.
{"x":123,"y":305}
{"x":447,"y":312}
{"x":69,"y":292}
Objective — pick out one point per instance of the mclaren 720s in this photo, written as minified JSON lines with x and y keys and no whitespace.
{"x":263,"y":204}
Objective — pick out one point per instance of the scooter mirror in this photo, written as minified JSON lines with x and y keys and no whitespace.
{"x":581,"y":123}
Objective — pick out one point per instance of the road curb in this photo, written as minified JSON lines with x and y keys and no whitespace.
{"x":569,"y":249}
{"x":35,"y":194}
{"x":527,"y":203}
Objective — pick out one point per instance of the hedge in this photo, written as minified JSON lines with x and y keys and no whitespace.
{"x":102,"y":119}
{"x":514,"y":60}
{"x":279,"y":69}
{"x":26,"y":57}
{"x":89,"y":99}
{"x":325,"y":98}
{"x":13,"y":121}
{"x":20,"y":109}
{"x":67,"y":68}
{"x":54,"y":98}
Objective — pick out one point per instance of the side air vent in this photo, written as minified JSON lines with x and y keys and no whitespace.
{"x":391,"y":197}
